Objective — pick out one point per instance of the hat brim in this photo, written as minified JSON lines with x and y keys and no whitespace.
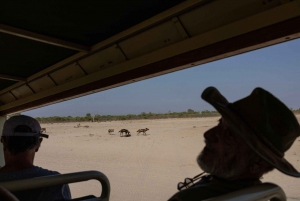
{"x":239,"y":126}
{"x":28,"y":134}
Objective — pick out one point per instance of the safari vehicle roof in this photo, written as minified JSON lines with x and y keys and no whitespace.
{"x":53,"y":51}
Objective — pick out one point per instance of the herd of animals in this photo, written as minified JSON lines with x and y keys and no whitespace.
{"x":125,"y":133}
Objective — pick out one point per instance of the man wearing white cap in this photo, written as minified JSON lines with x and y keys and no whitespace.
{"x":249,"y":141}
{"x":22,"y":138}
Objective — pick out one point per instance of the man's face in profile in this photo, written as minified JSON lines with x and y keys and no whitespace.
{"x":225,"y":154}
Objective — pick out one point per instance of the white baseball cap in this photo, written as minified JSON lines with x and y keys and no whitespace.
{"x":11,"y":124}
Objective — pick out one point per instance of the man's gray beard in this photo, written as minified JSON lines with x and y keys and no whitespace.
{"x":225,"y":167}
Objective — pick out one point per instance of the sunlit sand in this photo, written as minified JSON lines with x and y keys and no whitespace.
{"x":139,"y":167}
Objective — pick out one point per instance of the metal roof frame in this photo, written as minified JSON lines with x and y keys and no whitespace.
{"x":42,"y":38}
{"x":178,"y":38}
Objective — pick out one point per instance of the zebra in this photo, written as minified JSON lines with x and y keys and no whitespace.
{"x":110,"y":131}
{"x":127,"y":133}
{"x":142,"y":131}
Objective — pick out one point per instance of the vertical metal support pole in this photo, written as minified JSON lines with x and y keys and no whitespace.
{"x":2,"y":120}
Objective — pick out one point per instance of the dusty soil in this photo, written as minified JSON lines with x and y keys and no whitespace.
{"x":139,"y":167}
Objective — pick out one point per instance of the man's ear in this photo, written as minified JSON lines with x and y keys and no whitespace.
{"x":39,"y":144}
{"x":3,"y":141}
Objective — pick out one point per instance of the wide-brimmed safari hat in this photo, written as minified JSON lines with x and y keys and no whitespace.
{"x":263,"y":121}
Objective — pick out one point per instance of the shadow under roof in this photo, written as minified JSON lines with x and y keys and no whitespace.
{"x":83,"y":22}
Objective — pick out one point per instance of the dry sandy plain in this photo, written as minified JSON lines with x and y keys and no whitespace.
{"x":140,"y":168}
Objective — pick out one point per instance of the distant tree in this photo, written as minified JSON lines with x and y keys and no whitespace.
{"x":39,"y":119}
{"x":97,"y":117}
{"x":130,"y":116}
{"x":122,"y":117}
{"x":88,"y":117}
{"x":205,"y":112}
{"x":190,"y":111}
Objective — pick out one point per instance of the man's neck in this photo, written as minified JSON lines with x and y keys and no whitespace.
{"x":18,"y":162}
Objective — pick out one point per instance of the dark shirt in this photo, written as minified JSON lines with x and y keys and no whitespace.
{"x":60,"y":192}
{"x":209,"y":187}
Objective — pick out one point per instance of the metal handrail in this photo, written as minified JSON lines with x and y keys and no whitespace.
{"x":261,"y":192}
{"x":46,"y":181}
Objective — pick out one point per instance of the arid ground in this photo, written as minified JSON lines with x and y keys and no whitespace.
{"x":140,"y":168}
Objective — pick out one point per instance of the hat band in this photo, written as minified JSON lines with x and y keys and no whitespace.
{"x":256,"y":132}
{"x":25,"y":134}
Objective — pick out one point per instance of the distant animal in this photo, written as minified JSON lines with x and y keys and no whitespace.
{"x":43,"y":130}
{"x":78,"y":125}
{"x":110,"y":131}
{"x":142,"y":131}
{"x":127,"y":133}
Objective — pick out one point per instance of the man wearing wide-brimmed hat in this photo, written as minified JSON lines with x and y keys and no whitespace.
{"x":249,"y":141}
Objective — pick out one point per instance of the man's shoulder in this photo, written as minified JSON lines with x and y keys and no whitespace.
{"x":25,"y":174}
{"x":43,"y":172}
{"x":37,"y":171}
{"x":208,"y":188}
{"x":60,"y":192}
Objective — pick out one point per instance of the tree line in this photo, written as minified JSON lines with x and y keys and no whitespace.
{"x":101,"y":118}
{"x":143,"y":115}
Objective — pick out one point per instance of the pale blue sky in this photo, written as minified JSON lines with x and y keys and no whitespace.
{"x":275,"y":68}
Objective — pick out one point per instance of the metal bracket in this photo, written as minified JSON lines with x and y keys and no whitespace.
{"x":119,"y":48}
{"x":13,"y":95}
{"x":180,"y":28}
{"x":30,"y":88}
{"x":77,"y":64}
{"x":48,"y":75}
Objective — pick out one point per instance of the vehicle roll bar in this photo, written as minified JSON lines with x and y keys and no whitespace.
{"x":46,"y":181}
